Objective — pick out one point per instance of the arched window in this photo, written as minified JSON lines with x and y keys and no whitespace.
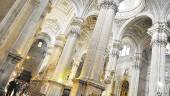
{"x":168,"y":48}
{"x":125,"y":50}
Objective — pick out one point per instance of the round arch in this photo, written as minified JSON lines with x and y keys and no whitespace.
{"x":129,"y":23}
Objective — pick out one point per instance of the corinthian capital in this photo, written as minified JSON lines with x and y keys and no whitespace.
{"x":159,"y":33}
{"x":113,"y":4}
{"x":109,"y":4}
{"x":76,"y":25}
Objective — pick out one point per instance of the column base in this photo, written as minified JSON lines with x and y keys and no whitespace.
{"x":54,"y":88}
{"x":86,"y":88}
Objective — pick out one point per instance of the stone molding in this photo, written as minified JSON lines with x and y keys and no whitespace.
{"x":60,"y":41}
{"x":14,"y":57}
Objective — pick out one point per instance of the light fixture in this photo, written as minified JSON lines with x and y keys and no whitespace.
{"x":40,"y":44}
{"x":160,"y":84}
{"x":28,"y":57}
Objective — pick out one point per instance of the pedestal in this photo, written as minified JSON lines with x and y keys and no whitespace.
{"x":54,"y":88}
{"x":86,"y":88}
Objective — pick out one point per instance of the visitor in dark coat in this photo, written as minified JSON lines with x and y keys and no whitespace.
{"x":17,"y":88}
{"x":10,"y":88}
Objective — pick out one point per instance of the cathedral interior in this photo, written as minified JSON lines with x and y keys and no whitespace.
{"x":86,"y":47}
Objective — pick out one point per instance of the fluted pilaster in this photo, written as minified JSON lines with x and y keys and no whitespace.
{"x":135,"y":74}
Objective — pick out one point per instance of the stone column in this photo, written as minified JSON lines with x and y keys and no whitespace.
{"x":64,"y":63}
{"x":74,"y":69}
{"x":113,"y":57}
{"x":58,"y":82}
{"x":157,"y":67}
{"x":10,"y":17}
{"x":59,"y":45}
{"x":30,"y":28}
{"x":133,"y":90}
{"x":111,"y":68}
{"x":42,"y":67}
{"x":94,"y":63}
{"x":8,"y":67}
{"x":15,"y":28}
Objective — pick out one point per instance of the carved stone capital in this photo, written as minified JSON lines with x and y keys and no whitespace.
{"x":159,"y":34}
{"x":109,"y":4}
{"x":76,"y":25}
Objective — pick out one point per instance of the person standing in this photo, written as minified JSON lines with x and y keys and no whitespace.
{"x":17,"y":88}
{"x":10,"y":88}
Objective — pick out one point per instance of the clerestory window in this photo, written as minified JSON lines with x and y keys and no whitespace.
{"x":125,"y":50}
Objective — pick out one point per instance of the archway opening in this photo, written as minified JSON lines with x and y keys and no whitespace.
{"x":137,"y":31}
{"x":33,"y":60}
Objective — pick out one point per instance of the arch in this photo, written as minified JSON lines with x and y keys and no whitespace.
{"x":44,"y":36}
{"x":91,"y":13}
{"x":33,"y":60}
{"x":129,"y":23}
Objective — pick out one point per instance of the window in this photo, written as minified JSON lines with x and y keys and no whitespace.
{"x":125,"y":51}
{"x":168,"y":48}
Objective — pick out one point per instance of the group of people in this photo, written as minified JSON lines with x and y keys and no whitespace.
{"x":17,"y":87}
